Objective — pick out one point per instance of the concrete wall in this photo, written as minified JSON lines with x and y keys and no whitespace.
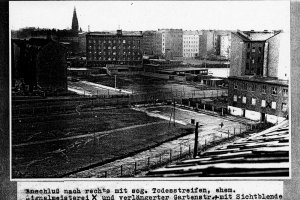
{"x":237,"y":58}
{"x":253,"y":115}
{"x":274,"y":119}
{"x":279,"y":56}
{"x":273,"y":56}
{"x":52,"y":67}
{"x":235,"y":111}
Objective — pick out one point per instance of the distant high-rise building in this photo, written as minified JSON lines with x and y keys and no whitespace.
{"x":75,"y":26}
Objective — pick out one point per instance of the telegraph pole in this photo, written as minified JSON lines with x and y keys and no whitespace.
{"x":196,"y":140}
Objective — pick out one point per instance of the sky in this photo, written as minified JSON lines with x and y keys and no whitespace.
{"x":152,"y":15}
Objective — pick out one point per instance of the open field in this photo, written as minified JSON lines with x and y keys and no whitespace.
{"x":57,"y":145}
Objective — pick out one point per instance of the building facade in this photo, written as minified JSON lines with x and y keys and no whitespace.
{"x":39,"y":62}
{"x":113,"y":48}
{"x":214,"y":44}
{"x":258,"y":83}
{"x":262,"y":99}
{"x":259,"y":53}
{"x":191,"y":40}
{"x":171,"y":41}
{"x":148,"y":42}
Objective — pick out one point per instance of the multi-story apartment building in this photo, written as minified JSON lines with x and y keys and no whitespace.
{"x":214,"y":43}
{"x":113,"y":48}
{"x":191,"y":40}
{"x":258,"y":82}
{"x":171,"y":41}
{"x":225,"y":46}
{"x":148,"y":42}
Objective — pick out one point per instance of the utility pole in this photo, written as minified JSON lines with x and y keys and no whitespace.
{"x":174,"y":112}
{"x":115,"y":81}
{"x":196,"y":140}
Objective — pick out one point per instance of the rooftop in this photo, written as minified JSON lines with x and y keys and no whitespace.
{"x":181,"y":69}
{"x":269,"y":80}
{"x":256,"y":35}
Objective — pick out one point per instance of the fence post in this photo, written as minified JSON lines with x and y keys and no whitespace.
{"x":240,"y":129}
{"x":134,"y":168}
{"x":196,"y":140}
{"x":148,"y":162}
{"x":105,"y":174}
{"x":180,"y":151}
{"x":121,"y":170}
{"x":228,"y":133}
{"x":160,"y":159}
{"x":234,"y":131}
{"x":189,"y":150}
{"x":170,"y":155}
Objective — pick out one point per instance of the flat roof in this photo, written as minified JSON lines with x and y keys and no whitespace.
{"x":78,"y":69}
{"x":179,"y":69}
{"x":268,"y":80}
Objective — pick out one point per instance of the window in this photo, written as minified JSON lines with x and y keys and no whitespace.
{"x":245,"y":86}
{"x":284,"y":107}
{"x":263,"y":89}
{"x":253,"y":49}
{"x":285,"y":92}
{"x":247,"y":66}
{"x":248,"y":45}
{"x":244,"y":100}
{"x":253,"y":101}
{"x":274,"y":90}
{"x":235,"y":98}
{"x":273,"y":105}
{"x":263,"y":103}
{"x":124,"y":41}
{"x":253,"y":88}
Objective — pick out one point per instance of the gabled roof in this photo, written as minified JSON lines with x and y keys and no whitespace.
{"x":255,"y":36}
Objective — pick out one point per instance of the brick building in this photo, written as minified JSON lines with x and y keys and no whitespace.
{"x":258,"y":81}
{"x":113,"y":48}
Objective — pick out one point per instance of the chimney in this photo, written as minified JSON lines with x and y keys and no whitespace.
{"x":119,"y":32}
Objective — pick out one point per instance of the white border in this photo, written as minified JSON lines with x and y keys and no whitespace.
{"x":147,"y":179}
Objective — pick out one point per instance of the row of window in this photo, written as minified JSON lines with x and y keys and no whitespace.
{"x":193,"y":50}
{"x":189,"y":42}
{"x":189,"y":54}
{"x":114,"y":58}
{"x":263,"y":104}
{"x":114,"y":47}
{"x":114,"y":41}
{"x":263,"y":88}
{"x":253,"y":50}
{"x":191,"y":46}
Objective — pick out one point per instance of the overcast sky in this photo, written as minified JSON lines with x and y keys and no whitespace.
{"x":152,"y":15}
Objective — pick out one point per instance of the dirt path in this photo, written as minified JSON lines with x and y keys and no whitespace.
{"x":102,"y":133}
